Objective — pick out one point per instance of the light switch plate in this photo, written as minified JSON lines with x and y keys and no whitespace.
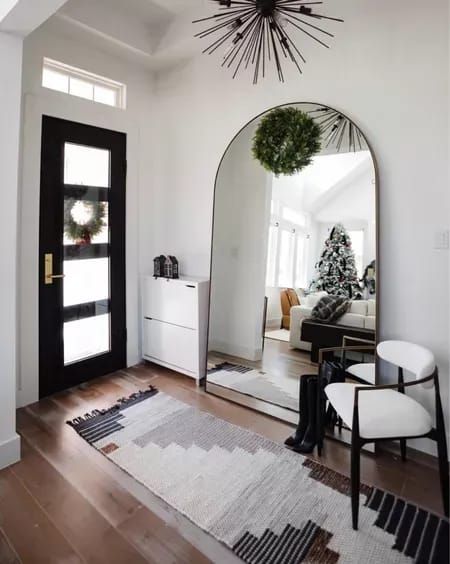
{"x":442,"y":240}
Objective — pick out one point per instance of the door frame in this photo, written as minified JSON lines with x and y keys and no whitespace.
{"x":53,"y":374}
{"x":62,"y":106}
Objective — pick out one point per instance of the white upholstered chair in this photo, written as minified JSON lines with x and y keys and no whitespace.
{"x":379,"y":413}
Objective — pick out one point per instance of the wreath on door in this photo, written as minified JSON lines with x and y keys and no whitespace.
{"x":286,"y":140}
{"x":83,"y":220}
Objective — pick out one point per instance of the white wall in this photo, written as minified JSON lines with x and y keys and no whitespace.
{"x":10,"y":88}
{"x":241,"y":226}
{"x":137,"y":123}
{"x":377,"y":73}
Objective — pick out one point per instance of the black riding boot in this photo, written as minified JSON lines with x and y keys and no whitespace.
{"x":299,"y":434}
{"x":310,"y":437}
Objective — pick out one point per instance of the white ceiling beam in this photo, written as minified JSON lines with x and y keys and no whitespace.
{"x":21,"y":17}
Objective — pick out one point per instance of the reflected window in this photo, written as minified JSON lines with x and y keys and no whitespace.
{"x":357,"y":238}
{"x":286,"y":269}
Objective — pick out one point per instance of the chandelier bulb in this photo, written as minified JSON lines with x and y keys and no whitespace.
{"x":236,"y":24}
{"x":305,"y":10}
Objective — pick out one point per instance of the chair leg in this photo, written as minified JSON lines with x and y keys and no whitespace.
{"x":320,"y":416}
{"x":403,"y":449}
{"x":443,"y":466}
{"x":355,"y":480}
{"x":442,"y":447}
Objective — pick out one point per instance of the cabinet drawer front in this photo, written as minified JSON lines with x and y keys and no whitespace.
{"x":172,"y":344}
{"x":174,"y":302}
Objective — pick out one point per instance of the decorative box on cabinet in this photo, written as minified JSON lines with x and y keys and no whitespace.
{"x":175,"y":316}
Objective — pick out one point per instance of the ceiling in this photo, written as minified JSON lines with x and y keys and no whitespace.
{"x":151,"y":32}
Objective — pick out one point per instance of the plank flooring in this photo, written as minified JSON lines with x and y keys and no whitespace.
{"x":278,"y":358}
{"x":66,"y":503}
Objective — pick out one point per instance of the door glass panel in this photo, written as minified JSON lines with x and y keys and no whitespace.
{"x":85,"y":338}
{"x":86,"y":166}
{"x":86,"y":281}
{"x":86,"y":265}
{"x":82,"y":212}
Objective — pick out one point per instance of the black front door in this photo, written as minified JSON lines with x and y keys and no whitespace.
{"x":82,"y":324}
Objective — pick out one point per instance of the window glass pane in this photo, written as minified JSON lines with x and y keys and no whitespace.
{"x":272,"y":255}
{"x":86,"y":337}
{"x":55,"y":80}
{"x":86,"y":281}
{"x":357,"y":238}
{"x":105,"y":95}
{"x":286,"y":272}
{"x":86,"y":166}
{"x":293,"y":216}
{"x":81,"y":88}
{"x":301,"y":271}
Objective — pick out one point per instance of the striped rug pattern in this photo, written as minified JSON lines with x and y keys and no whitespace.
{"x":279,"y":389}
{"x":266,"y":503}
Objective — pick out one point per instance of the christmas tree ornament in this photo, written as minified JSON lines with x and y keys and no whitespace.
{"x":259,"y":31}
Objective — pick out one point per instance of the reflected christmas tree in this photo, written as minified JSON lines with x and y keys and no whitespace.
{"x":336,"y":271}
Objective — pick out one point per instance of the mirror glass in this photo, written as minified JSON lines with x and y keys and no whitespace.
{"x":281,"y":243}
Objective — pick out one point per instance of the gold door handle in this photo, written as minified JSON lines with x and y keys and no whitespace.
{"x":48,"y":270}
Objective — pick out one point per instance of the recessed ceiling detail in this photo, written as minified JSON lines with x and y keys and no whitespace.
{"x":258,"y":32}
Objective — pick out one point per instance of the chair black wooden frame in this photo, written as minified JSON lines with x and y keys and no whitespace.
{"x":357,"y":443}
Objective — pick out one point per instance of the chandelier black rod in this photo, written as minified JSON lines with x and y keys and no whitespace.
{"x":224,"y":15}
{"x":311,"y":25}
{"x":242,"y":41}
{"x":222,"y":25}
{"x":297,"y":51}
{"x":308,"y":34}
{"x":256,"y":32}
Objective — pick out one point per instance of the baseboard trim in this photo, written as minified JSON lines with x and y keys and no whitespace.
{"x":10,"y":451}
{"x":236,"y":350}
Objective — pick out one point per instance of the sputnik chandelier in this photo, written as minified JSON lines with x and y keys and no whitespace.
{"x":255,"y":32}
{"x":338,"y":130}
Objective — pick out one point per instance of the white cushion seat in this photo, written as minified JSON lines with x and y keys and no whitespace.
{"x":363,"y":371}
{"x":382,"y":413}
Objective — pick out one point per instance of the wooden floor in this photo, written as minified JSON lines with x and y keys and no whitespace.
{"x":279,"y":358}
{"x":66,"y":503}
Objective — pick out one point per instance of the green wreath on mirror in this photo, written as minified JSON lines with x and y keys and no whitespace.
{"x":286,"y":140}
{"x":92,"y":224}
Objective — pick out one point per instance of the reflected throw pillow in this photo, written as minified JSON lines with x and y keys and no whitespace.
{"x":329,"y":309}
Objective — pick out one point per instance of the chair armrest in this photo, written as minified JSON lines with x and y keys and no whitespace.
{"x":358,"y":389}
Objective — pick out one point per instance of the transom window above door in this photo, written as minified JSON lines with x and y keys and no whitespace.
{"x":83,"y":84}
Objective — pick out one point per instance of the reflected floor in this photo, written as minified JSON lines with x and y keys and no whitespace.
{"x":274,"y":379}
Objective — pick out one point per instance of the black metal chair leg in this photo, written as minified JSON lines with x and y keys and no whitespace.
{"x":442,"y":448}
{"x":403,"y":449}
{"x":320,"y":416}
{"x":443,"y":470}
{"x":355,"y":480}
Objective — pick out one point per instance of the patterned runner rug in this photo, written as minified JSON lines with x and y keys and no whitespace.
{"x":278,"y":389}
{"x":266,"y":503}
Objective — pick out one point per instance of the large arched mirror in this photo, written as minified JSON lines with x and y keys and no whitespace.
{"x":281,"y":243}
